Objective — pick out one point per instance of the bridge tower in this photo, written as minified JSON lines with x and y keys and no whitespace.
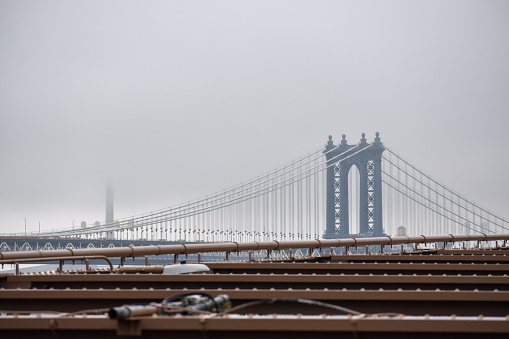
{"x":109,"y":210}
{"x":368,"y":161}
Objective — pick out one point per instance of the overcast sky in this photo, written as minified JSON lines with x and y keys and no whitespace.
{"x":173,"y":100}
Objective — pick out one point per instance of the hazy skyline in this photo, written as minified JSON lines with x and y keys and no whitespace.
{"x":173,"y":100}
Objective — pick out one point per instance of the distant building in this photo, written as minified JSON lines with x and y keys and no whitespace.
{"x":109,"y":211}
{"x":468,"y":227}
{"x":485,"y":225}
{"x":109,"y":205}
{"x":401,"y":232}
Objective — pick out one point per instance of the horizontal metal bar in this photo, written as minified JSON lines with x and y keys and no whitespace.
{"x":137,"y":278}
{"x":295,"y":323}
{"x":255,"y":293}
{"x":249,"y":246}
{"x":65,"y":258}
{"x":261,"y":281}
{"x":477,"y":252}
{"x":404,"y":258}
{"x":361,"y":268}
{"x":365,"y":301}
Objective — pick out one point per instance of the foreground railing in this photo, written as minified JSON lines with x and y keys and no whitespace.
{"x":235,"y":247}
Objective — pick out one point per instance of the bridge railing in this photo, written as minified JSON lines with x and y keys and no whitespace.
{"x":183,"y":249}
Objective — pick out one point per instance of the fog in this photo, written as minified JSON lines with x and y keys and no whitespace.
{"x":173,"y":100}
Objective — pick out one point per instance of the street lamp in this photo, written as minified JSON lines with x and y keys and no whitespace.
{"x":25,"y":227}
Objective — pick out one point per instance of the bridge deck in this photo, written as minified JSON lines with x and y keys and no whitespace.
{"x":458,"y":294}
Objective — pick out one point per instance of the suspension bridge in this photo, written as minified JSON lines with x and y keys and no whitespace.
{"x":347,"y":239}
{"x":341,"y":190}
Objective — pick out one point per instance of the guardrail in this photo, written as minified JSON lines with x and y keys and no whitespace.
{"x":61,"y":261}
{"x":231,"y":247}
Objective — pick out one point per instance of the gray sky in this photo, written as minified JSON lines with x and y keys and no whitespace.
{"x":173,"y":100}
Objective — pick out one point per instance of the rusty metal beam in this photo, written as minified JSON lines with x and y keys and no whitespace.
{"x":252,"y":326}
{"x":243,"y":281}
{"x":137,"y":251}
{"x":407,"y":258}
{"x":437,"y":302}
{"x":360,"y":268}
{"x":482,"y":251}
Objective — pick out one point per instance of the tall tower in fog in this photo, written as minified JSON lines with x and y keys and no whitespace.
{"x":109,"y":204}
{"x":109,"y":210}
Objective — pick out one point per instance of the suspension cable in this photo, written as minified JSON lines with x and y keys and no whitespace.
{"x":432,"y":202}
{"x":444,"y":187}
{"x":194,"y":209}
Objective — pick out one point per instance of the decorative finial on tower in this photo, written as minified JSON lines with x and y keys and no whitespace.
{"x":377,"y":139}
{"x":343,"y":140}
{"x":330,"y":143}
{"x":363,"y":139}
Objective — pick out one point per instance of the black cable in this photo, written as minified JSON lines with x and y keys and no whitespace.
{"x":298,"y":301}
